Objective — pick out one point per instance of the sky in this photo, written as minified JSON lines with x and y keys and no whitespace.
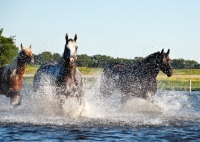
{"x":125,"y":29}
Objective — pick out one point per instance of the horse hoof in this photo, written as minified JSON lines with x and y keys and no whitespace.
{"x":17,"y":105}
{"x":15,"y":100}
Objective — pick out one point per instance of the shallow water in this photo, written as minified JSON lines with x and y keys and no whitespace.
{"x":175,"y":116}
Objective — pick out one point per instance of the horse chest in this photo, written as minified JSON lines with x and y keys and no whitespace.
{"x":15,"y":84}
{"x":68,"y":85}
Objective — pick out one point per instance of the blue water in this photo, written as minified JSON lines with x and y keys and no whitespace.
{"x":175,"y":116}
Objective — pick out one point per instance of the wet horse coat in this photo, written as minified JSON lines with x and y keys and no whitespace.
{"x":135,"y":80}
{"x":11,"y":76}
{"x":63,"y":75}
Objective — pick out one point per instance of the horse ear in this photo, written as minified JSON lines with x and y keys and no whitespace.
{"x":22,"y":47}
{"x":162,"y":51}
{"x":66,"y":37}
{"x":30,"y":47}
{"x":168,"y":52}
{"x":75,"y":37}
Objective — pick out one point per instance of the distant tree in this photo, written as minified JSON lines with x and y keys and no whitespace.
{"x":197,"y":66}
{"x":44,"y":57}
{"x":84,"y":61}
{"x":178,"y":63}
{"x":190,"y":64}
{"x":101,"y":60}
{"x":183,"y":64}
{"x":8,"y":49}
{"x":56,"y":57}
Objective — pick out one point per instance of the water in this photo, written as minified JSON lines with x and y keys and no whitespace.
{"x":175,"y":116}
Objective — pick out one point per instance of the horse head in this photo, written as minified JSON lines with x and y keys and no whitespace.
{"x":26,"y":55}
{"x":70,"y":53}
{"x":165,"y":65}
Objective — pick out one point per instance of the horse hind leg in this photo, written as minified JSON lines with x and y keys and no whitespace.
{"x":15,"y":99}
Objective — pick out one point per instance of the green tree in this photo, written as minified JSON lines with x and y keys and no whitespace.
{"x":44,"y":57}
{"x":8,"y":49}
{"x":84,"y":61}
{"x":56,"y":57}
{"x":178,"y":63}
{"x":101,"y":60}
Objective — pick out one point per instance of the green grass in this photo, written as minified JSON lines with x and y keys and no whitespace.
{"x":31,"y":69}
{"x":178,"y":85}
{"x":180,"y":80}
{"x":90,"y":71}
{"x":184,"y":72}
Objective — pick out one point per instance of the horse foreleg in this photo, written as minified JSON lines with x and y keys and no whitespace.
{"x":15,"y":99}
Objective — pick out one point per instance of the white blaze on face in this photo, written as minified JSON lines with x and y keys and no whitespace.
{"x":72,"y":46}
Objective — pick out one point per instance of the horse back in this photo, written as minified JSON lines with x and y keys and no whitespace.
{"x":116,"y":67}
{"x":46,"y":69}
{"x":114,"y":71}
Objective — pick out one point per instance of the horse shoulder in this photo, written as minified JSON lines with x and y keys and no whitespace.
{"x":47,"y":68}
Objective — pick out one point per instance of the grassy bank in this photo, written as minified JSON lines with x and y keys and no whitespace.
{"x":31,"y":70}
{"x":178,"y":81}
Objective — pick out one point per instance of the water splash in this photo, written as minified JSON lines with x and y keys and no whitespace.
{"x":44,"y":108}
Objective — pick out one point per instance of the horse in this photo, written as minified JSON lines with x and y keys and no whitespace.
{"x":63,"y":74}
{"x":11,"y":76}
{"x":137,"y":80}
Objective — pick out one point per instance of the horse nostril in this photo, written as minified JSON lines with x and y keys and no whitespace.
{"x":32,"y":60}
{"x":72,"y":59}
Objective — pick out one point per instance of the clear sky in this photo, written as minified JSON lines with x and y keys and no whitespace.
{"x":118,"y":28}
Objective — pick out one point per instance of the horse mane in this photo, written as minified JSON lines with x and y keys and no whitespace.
{"x":61,"y":59}
{"x":149,"y":58}
{"x":12,"y":67}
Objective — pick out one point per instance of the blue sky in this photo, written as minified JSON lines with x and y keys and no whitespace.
{"x":117,"y":28}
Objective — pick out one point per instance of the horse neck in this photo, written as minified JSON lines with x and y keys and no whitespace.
{"x":150,"y":68}
{"x":20,"y":67}
{"x":69,"y":70}
{"x":16,"y":68}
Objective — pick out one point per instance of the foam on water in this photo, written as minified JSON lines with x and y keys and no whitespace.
{"x":44,"y":108}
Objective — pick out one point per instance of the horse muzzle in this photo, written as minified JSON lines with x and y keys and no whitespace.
{"x":169,"y":73}
{"x":32,"y":60}
{"x":71,"y":59}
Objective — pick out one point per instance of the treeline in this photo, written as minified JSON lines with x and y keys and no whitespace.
{"x":101,"y":60}
{"x":8,"y":50}
{"x":84,"y":60}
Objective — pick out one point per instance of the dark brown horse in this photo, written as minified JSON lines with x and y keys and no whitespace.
{"x":11,"y":76}
{"x":135,"y":80}
{"x":63,"y":75}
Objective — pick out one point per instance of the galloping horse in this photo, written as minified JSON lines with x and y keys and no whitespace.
{"x":63,"y":75}
{"x":11,"y":76}
{"x":135,"y":80}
